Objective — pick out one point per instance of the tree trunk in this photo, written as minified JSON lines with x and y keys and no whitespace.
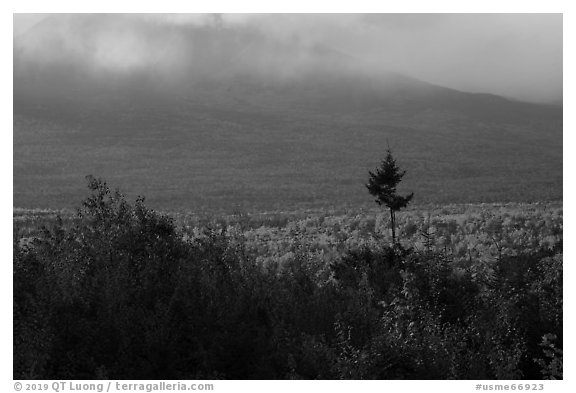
{"x":393,"y":226}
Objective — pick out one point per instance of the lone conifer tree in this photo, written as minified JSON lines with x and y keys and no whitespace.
{"x":382,"y":185}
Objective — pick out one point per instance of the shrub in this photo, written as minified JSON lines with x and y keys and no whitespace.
{"x":121,"y":292}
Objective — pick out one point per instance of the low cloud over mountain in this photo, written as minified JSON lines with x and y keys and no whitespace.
{"x":514,"y":55}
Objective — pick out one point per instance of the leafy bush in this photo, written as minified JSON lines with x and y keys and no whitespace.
{"x":120,"y":291}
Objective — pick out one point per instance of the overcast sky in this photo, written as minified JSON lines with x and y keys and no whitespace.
{"x":515,"y":55}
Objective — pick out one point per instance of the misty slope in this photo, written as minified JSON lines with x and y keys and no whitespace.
{"x":227,"y":118}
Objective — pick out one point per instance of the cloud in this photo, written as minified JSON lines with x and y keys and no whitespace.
{"x":515,"y":55}
{"x":23,"y":22}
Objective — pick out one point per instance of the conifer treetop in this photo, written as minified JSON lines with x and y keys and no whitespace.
{"x":382,"y":184}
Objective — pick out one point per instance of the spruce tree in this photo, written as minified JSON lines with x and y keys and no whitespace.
{"x":382,"y":185}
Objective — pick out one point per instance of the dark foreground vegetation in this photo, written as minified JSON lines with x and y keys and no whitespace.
{"x":123,"y":292}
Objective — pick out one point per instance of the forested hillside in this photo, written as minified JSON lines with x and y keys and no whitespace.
{"x":227,"y":119}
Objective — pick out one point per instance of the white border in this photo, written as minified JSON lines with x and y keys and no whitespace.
{"x":245,"y":6}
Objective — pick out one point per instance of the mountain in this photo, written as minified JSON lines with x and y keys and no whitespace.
{"x":207,"y":116}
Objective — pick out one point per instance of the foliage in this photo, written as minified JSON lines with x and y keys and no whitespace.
{"x":123,"y":292}
{"x":552,"y":368}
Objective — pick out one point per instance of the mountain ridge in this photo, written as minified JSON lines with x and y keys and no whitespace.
{"x":257,"y":137}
